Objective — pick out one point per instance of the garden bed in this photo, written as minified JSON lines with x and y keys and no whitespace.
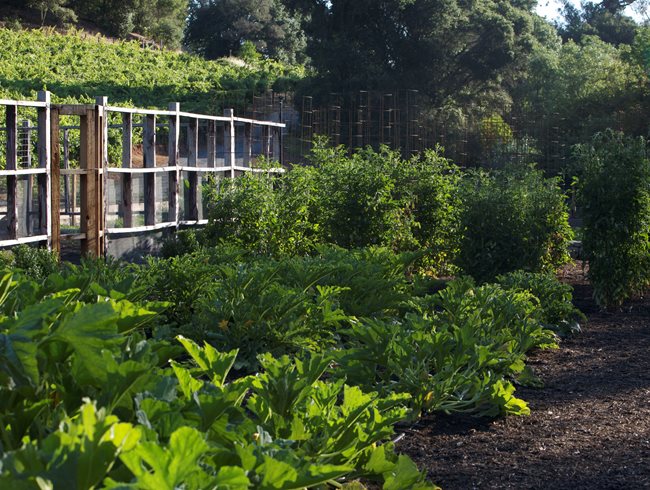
{"x":589,"y":425}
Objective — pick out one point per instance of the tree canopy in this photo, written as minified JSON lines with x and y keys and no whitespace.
{"x":219,"y":28}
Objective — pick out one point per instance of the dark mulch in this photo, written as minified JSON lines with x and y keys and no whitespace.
{"x":589,"y":426}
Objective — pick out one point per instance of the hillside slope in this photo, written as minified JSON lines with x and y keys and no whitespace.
{"x":76,"y":67}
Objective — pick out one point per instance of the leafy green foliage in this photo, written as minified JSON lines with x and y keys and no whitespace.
{"x":160,"y":426}
{"x":37,"y":263}
{"x":556,"y":310}
{"x":265,"y":213}
{"x":453,"y":352}
{"x":615,"y":196}
{"x":512,"y":219}
{"x":257,"y":304}
{"x":369,"y":198}
{"x":67,"y":65}
{"x":366,"y":45}
{"x":585,"y":87}
{"x":217,"y":29}
{"x":340,"y":346}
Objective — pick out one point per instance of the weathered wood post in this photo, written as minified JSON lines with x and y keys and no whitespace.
{"x":26,"y":146}
{"x":174,"y":176}
{"x":126,"y":203}
{"x":191,"y":204}
{"x":229,"y":141}
{"x":55,"y":180}
{"x":11,"y":123}
{"x":212,"y":143}
{"x":91,"y":193}
{"x":102,"y":137}
{"x":44,"y":162}
{"x":149,"y":142}
{"x":248,"y":144}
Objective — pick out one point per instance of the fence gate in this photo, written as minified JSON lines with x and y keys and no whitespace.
{"x":104,"y":171}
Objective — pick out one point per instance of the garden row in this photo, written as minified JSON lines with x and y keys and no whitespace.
{"x":470,"y":222}
{"x":228,"y":369}
{"x":284,"y":345}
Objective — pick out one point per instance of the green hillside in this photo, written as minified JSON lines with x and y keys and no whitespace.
{"x":76,"y":67}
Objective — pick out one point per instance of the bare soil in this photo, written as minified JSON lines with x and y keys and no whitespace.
{"x":589,"y":426}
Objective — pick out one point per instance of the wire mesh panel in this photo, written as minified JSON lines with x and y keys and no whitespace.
{"x":25,"y":171}
{"x":86,"y":172}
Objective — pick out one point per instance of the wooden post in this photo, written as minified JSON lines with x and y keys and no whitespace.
{"x":90,"y":183}
{"x":73,"y":217}
{"x":174,"y":177}
{"x":102,"y":137}
{"x":248,"y":144}
{"x":55,"y":241}
{"x":26,"y":146}
{"x":275,"y":152}
{"x":229,"y":142}
{"x":66,"y":165}
{"x":192,"y":153}
{"x":149,"y":142}
{"x":266,"y":141}
{"x":12,"y":181}
{"x":127,"y":162}
{"x":212,"y":143}
{"x":44,"y":162}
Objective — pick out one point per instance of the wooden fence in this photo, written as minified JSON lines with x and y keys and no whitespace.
{"x":121,"y":153}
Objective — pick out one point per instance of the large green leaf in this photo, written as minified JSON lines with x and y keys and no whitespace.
{"x":211,"y":361}
{"x":19,"y":340}
{"x":89,"y":330}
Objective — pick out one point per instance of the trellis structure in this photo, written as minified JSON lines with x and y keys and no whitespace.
{"x":194,"y":146}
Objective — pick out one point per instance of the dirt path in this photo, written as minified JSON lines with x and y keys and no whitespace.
{"x":589,"y":426}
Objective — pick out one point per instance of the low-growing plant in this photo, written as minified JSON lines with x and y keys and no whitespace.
{"x":181,"y":242}
{"x":512,"y":219}
{"x":556,"y":310}
{"x":265,"y":213}
{"x":35,"y":262}
{"x":614,"y":197}
{"x":454,"y":352}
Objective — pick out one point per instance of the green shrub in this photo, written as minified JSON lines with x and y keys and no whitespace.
{"x":180,"y":243}
{"x":358,"y":201}
{"x":614,"y":195}
{"x":431,"y":184}
{"x":265,"y":213}
{"x":454,"y":352}
{"x":367,"y":199}
{"x":556,"y":311}
{"x":512,"y":219}
{"x":36,"y":263}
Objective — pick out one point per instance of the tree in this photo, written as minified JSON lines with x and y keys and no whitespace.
{"x":586,"y":87}
{"x":447,"y":49}
{"x":162,"y":20}
{"x":594,"y":19}
{"x":58,"y":8}
{"x":218,"y":28}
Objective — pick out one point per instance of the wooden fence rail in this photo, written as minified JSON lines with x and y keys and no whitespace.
{"x":191,"y":146}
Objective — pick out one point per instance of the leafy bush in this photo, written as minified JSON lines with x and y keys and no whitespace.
{"x":614,"y":195}
{"x":367,"y":199}
{"x":358,"y":201}
{"x":37,"y":263}
{"x":454,"y":351}
{"x":283,"y":306}
{"x":556,"y":311}
{"x":265,"y":213}
{"x":180,"y":243}
{"x":65,"y":425}
{"x":512,"y":219}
